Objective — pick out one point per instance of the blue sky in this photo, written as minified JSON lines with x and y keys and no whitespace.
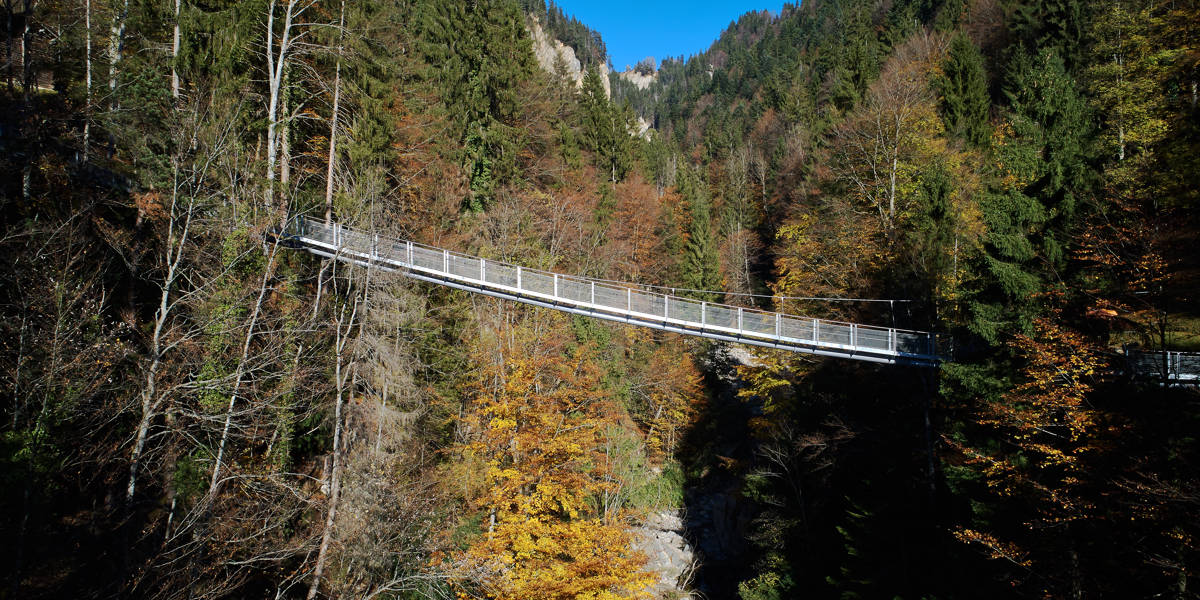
{"x":633,"y":29}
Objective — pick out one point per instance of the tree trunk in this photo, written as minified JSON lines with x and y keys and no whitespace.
{"x":240,"y":371}
{"x":87,"y":59}
{"x":333,"y":120}
{"x":8,"y":71}
{"x":1120,"y":142}
{"x":28,"y":76}
{"x":116,"y":44}
{"x":150,"y":391}
{"x":335,"y":483}
{"x":1076,"y":576}
{"x":275,"y":70}
{"x":175,"y":54}
{"x":285,"y":135}
{"x":892,"y":191}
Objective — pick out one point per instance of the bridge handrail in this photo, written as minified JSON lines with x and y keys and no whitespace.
{"x":340,"y":237}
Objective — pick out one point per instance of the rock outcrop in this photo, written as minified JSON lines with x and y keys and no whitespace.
{"x":661,"y":539}
{"x":641,"y":81}
{"x":553,"y":56}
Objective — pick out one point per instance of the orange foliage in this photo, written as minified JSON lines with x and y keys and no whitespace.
{"x":634,"y":235}
{"x":1050,"y":433}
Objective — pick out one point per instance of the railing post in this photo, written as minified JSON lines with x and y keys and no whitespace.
{"x":740,"y":319}
{"x":593,"y":292}
{"x":666,"y":305}
{"x":556,"y":285}
{"x":483,"y":270}
{"x":375,"y":247}
{"x":337,"y":227}
{"x":410,"y":258}
{"x":853,"y":335}
{"x":778,"y":327}
{"x":629,"y":299}
{"x":703,"y":309}
{"x":816,"y":331}
{"x":446,"y":261}
{"x":891,"y":340}
{"x":519,"y":277}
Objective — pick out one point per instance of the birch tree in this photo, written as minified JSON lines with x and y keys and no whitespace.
{"x":343,"y":326}
{"x":333,"y":118}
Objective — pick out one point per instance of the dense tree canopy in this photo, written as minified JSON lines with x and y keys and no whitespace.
{"x":194,"y":410}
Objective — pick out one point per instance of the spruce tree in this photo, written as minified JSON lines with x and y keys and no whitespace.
{"x":701,"y":270}
{"x":482,"y":53}
{"x":606,"y":127}
{"x":1031,"y":208}
{"x":964,"y":92}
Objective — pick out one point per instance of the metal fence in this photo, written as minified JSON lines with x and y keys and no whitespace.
{"x":635,"y":303}
{"x":1166,"y":365}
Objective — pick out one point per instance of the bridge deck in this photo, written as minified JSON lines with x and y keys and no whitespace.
{"x":623,"y":303}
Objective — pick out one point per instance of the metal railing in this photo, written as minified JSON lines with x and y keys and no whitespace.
{"x":626,"y":303}
{"x":1166,"y":365}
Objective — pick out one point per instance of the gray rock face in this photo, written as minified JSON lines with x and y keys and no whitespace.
{"x":552,"y":54}
{"x":661,"y":539}
{"x":641,"y":81}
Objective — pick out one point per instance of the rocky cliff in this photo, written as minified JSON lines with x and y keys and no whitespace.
{"x":641,"y":81}
{"x":558,"y":58}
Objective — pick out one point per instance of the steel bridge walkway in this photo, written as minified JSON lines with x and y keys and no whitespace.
{"x":622,"y":303}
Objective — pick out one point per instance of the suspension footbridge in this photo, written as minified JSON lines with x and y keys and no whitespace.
{"x":630,"y":303}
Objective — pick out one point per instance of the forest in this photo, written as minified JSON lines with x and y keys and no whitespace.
{"x":193,"y":410}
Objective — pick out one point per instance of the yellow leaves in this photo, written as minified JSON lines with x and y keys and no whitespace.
{"x":995,"y":547}
{"x":502,"y":424}
{"x":539,"y":418}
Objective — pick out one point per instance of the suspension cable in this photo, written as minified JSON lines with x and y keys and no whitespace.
{"x":743,"y":294}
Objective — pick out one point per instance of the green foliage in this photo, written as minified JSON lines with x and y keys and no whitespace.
{"x":370,"y":75}
{"x":606,"y":128}
{"x":644,"y":486}
{"x":701,"y":263}
{"x":192,"y":472}
{"x":768,"y":585}
{"x":965,"y":100}
{"x":1030,"y":211}
{"x":932,"y":230}
{"x":483,"y":54}
{"x":1058,"y":26}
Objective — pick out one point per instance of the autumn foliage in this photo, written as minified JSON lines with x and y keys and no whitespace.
{"x":539,"y":422}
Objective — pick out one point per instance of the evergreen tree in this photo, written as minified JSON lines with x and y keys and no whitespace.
{"x":933,"y":230}
{"x":1058,"y":25}
{"x":701,"y":262}
{"x":482,"y":54}
{"x":1042,"y":153}
{"x":965,"y":99}
{"x":606,"y":127}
